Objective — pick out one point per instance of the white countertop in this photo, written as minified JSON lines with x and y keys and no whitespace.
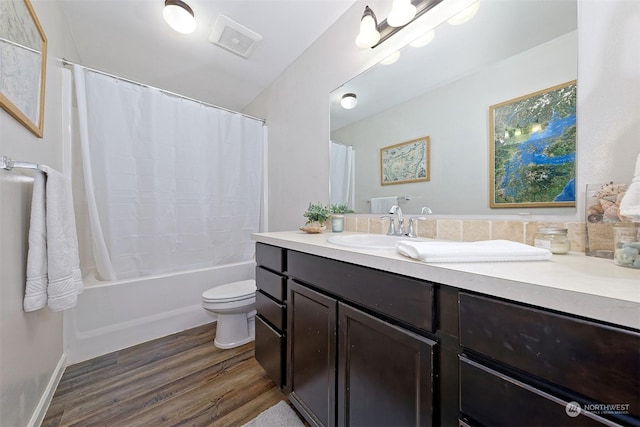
{"x":573,"y":283}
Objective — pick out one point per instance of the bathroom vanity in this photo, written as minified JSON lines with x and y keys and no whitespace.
{"x":363,"y":337}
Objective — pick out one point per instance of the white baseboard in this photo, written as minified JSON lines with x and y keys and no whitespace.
{"x":47,"y":396}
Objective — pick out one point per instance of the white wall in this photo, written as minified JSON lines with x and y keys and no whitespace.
{"x":459,"y":150}
{"x":30,"y":343}
{"x":297,"y":110}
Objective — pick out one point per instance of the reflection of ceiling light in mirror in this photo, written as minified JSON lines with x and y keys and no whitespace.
{"x":465,"y":15}
{"x":179,"y":16}
{"x":423,"y":40}
{"x":391,"y":58}
{"x":369,"y":34}
{"x":402,"y":12}
{"x":349,"y":101}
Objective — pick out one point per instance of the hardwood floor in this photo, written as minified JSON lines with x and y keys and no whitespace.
{"x":182,"y":379}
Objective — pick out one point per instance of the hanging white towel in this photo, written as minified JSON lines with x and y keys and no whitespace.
{"x":630,"y":203}
{"x":482,"y":251}
{"x":53,"y":266}
{"x":35,"y":295}
{"x":381,"y":205}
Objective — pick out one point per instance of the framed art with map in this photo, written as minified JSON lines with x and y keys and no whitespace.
{"x":23,"y":62}
{"x":532,"y":149}
{"x":405,"y":162}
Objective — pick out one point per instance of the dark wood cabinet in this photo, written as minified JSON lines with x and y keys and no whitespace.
{"x":385,"y":373}
{"x":539,"y":361}
{"x":366,"y":347}
{"x":353,"y":356}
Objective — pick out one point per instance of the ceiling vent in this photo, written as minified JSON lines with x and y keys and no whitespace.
{"x":234,"y":37}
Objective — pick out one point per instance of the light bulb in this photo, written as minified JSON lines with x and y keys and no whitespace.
{"x":402,"y":12}
{"x":179,"y":16}
{"x":369,"y":34}
{"x":349,"y":101}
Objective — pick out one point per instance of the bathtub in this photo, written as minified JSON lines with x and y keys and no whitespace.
{"x":111,"y":316}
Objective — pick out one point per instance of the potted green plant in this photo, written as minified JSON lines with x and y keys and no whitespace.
{"x":317,"y":215}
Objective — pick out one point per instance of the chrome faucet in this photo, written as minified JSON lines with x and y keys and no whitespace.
{"x":395,"y":209}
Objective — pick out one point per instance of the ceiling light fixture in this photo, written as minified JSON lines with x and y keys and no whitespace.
{"x":179,"y":16}
{"x":368,"y":35}
{"x":402,"y":12}
{"x":349,"y":101}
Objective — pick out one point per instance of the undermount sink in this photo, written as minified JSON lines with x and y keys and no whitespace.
{"x":380,"y":242}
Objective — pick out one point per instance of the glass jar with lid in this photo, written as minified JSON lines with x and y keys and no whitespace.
{"x":626,"y":242}
{"x":553,"y":238}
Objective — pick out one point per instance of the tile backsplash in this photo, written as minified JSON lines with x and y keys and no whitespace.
{"x":469,"y":230}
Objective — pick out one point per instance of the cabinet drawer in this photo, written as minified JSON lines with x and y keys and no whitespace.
{"x":494,"y":399}
{"x":271,"y":257}
{"x":273,"y":312}
{"x":269,"y":351}
{"x":597,"y":361}
{"x":271,"y":283}
{"x":402,"y":298}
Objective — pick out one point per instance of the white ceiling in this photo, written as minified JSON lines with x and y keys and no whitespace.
{"x":129,"y":38}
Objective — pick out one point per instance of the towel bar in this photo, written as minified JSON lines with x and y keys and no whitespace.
{"x":8,"y":164}
{"x":400,"y":198}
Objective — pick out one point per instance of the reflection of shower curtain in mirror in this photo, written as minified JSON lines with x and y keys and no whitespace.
{"x":171,"y":184}
{"x":341,"y":174}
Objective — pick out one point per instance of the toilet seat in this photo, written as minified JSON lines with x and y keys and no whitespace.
{"x":236,"y":291}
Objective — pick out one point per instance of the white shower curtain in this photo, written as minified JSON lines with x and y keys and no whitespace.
{"x":171,"y":184}
{"x":341,"y":174}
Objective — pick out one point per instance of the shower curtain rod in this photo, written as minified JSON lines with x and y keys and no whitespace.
{"x":67,"y":62}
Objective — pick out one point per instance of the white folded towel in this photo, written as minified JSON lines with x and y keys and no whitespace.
{"x":53,"y":266}
{"x":482,"y":251}
{"x":630,"y":203}
{"x":381,"y":205}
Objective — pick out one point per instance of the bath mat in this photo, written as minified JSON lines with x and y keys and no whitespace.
{"x":279,"y":415}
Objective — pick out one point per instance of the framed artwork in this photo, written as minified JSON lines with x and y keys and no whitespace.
{"x":23,"y":62}
{"x":405,"y":162}
{"x":532,"y":149}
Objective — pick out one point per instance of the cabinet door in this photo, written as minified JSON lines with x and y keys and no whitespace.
{"x":385,"y":373}
{"x":312,"y":354}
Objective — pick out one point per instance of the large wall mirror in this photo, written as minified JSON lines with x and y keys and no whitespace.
{"x":23,"y":59}
{"x":444,"y":90}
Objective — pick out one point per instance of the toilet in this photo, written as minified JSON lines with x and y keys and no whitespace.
{"x":234,"y":304}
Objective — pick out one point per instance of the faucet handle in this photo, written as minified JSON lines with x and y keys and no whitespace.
{"x":411,"y":231}
{"x":392,"y":225}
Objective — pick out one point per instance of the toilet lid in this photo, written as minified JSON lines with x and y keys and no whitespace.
{"x":231,"y":291}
